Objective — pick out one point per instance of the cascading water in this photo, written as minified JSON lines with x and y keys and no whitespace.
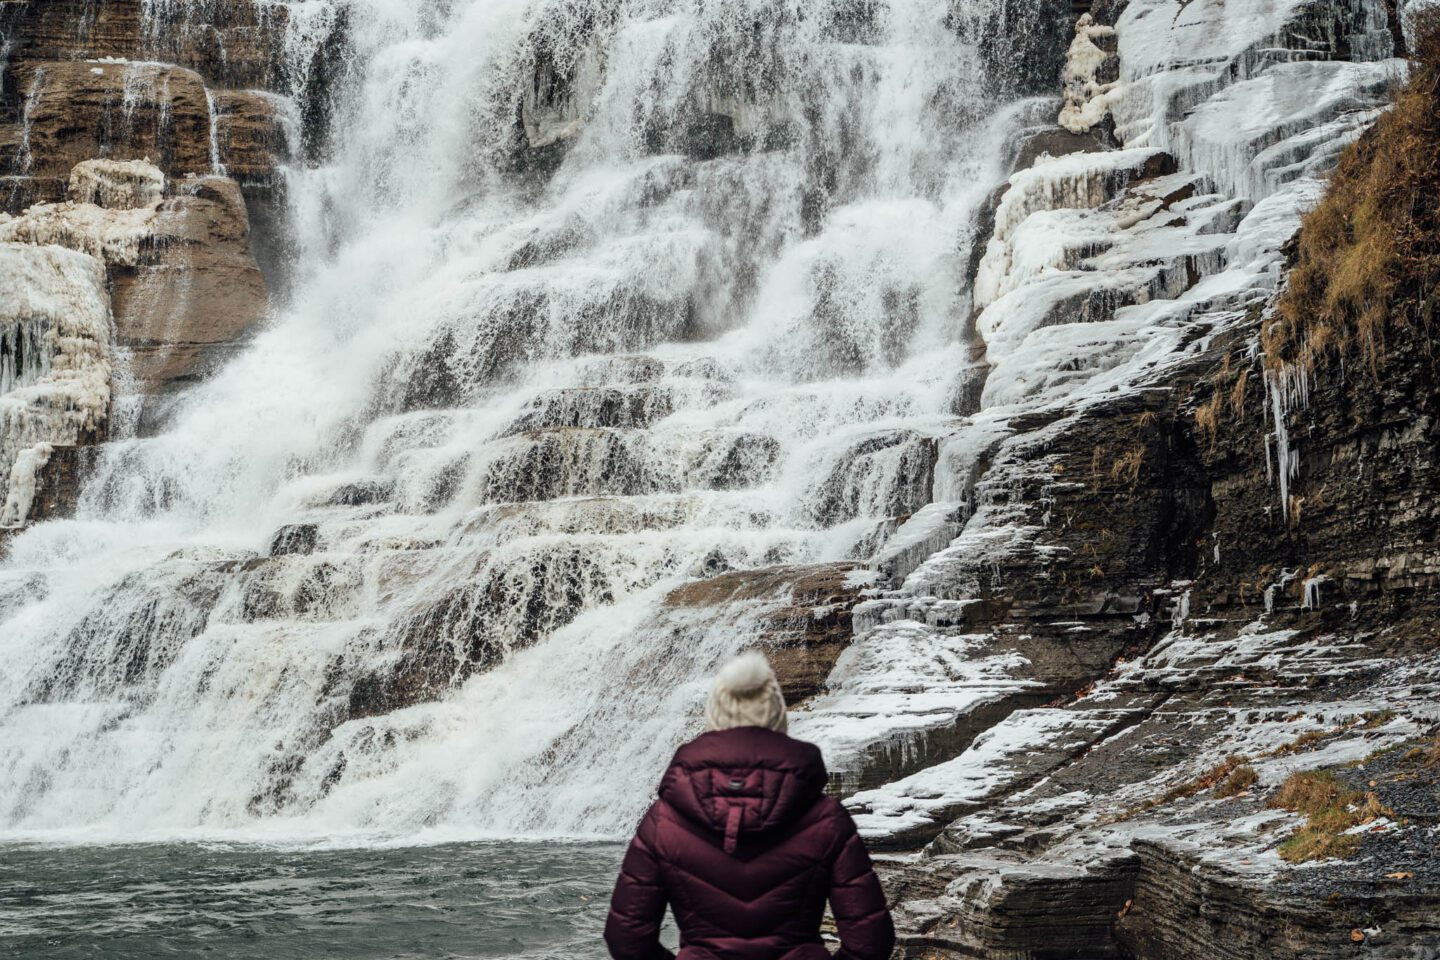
{"x":592,"y":298}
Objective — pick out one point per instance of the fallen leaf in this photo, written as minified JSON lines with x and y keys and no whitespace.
{"x":1357,"y":936}
{"x":1399,"y":875}
{"x":1125,"y":909}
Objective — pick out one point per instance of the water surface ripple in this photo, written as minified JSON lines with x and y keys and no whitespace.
{"x":233,"y":901}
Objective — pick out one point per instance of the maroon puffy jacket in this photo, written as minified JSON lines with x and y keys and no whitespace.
{"x":745,"y":847}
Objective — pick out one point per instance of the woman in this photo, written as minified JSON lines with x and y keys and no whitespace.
{"x":745,"y":846}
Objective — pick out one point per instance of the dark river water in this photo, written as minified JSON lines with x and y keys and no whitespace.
{"x":233,"y":901}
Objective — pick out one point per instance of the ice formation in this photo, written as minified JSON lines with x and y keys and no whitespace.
{"x":1100,"y":274}
{"x":114,"y":236}
{"x":55,"y":328}
{"x":56,"y":307}
{"x":1085,"y":94}
{"x":117,"y":184}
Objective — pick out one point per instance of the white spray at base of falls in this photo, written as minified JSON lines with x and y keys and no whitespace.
{"x":501,"y":417}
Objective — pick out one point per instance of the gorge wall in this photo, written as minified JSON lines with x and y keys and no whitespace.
{"x":406,"y":408}
{"x":1222,"y":571}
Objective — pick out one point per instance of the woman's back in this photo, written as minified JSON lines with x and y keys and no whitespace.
{"x":746,"y":848}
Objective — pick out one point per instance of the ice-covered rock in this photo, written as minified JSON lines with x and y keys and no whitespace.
{"x":1086,"y":62}
{"x":1106,"y":273}
{"x":111,"y":233}
{"x":116,"y":184}
{"x":55,"y":344}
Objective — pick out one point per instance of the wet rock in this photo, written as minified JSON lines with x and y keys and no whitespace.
{"x":196,"y":290}
{"x":296,"y":587}
{"x":60,"y":482}
{"x":124,"y":643}
{"x":547,"y":464}
{"x":295,"y":538}
{"x":73,"y":111}
{"x":589,"y":407}
{"x":358,"y":493}
{"x":249,"y":136}
{"x":512,"y":600}
{"x":806,"y":623}
{"x":234,"y":44}
{"x":527,"y":320}
{"x":732,"y":460}
{"x":890,"y":474}
{"x":1054,"y":143}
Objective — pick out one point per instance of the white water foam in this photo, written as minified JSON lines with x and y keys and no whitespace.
{"x":725,"y":333}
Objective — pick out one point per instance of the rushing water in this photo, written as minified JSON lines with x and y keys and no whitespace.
{"x":591,"y":298}
{"x":224,"y":901}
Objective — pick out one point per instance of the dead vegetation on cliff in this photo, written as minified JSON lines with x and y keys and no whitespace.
{"x":1369,"y":254}
{"x":1333,"y":811}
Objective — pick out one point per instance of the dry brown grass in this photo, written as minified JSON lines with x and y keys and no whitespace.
{"x":1221,"y":775}
{"x":1242,"y":778}
{"x":1126,"y":468}
{"x":1215,"y":776}
{"x":1330,"y":807}
{"x":1369,"y":254}
{"x":1237,"y":393}
{"x":1377,"y":718}
{"x":1207,"y":417}
{"x":1302,"y":742}
{"x":1427,"y":753}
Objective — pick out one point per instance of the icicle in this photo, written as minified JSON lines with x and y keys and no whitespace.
{"x":24,"y":358}
{"x":23,"y":483}
{"x":1182,"y":610}
{"x":1311,"y":599}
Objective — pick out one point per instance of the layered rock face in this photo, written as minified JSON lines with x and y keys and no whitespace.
{"x":113,"y":146}
{"x":1214,"y":566}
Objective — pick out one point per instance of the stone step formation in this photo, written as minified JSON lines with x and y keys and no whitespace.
{"x":373,"y":403}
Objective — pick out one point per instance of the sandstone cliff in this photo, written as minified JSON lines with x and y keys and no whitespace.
{"x":126,"y":139}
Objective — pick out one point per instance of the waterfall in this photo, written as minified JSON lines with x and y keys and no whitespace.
{"x":592,"y":298}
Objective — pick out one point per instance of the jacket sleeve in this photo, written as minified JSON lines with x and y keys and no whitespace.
{"x":861,"y":915}
{"x":632,"y":931}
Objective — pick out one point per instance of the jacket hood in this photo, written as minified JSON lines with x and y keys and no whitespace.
{"x":744,"y":781}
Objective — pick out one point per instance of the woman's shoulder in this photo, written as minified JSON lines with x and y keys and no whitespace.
{"x":832,"y":811}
